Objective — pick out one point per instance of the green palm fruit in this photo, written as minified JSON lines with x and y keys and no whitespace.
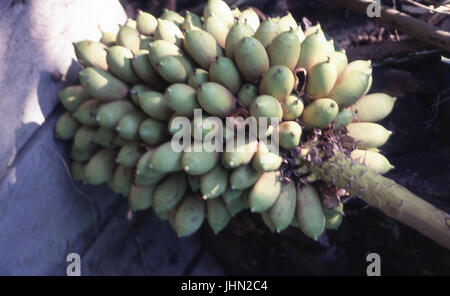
{"x":84,"y":139}
{"x":344,"y":117}
{"x":247,"y":94}
{"x":217,"y":214}
{"x":364,"y":66}
{"x":285,"y":50}
{"x":170,"y":192}
{"x":268,"y":220}
{"x":243,"y":177}
{"x":349,"y":87}
{"x":215,"y":99}
{"x":77,"y":171}
{"x":105,"y":137}
{"x":189,"y":216}
{"x":230,"y":195}
{"x":309,"y":212}
{"x":225,"y":72}
{"x":71,"y":97}
{"x":91,"y":54}
{"x":191,"y":19}
{"x":169,"y":31}
{"x":182,"y":98}
{"x":267,"y":32}
{"x":283,"y":210}
{"x":202,"y":47}
{"x":368,"y":134}
{"x":108,"y":38}
{"x":119,"y":141}
{"x":339,"y":59}
{"x":152,"y":132}
{"x":162,"y":48}
{"x":100,"y":167}
{"x":194,"y":182}
{"x":321,"y":80}
{"x":214,"y":26}
{"x":155,"y":104}
{"x":172,"y":16}
{"x":146,"y":23}
{"x":128,"y":125}
{"x":129,"y":38}
{"x":277,"y":82}
{"x":220,"y":9}
{"x":251,"y":58}
{"x":173,"y":129}
{"x":119,"y":62}
{"x":373,"y":160}
{"x":141,"y":197}
{"x":66,"y":126}
{"x":250,"y":17}
{"x":165,"y":160}
{"x":292,"y":107}
{"x":81,"y":155}
{"x":87,"y":111}
{"x":214,"y":182}
{"x":235,"y":206}
{"x":290,"y":133}
{"x":130,"y":154}
{"x":265,"y":192}
{"x":121,"y":180}
{"x":287,"y":23}
{"x":108,"y":115}
{"x":131,"y":23}
{"x":265,"y":160}
{"x":174,"y":69}
{"x":144,"y":173}
{"x":198,"y":77}
{"x":320,"y":113}
{"x":102,"y":85}
{"x":137,"y":89}
{"x":197,"y":161}
{"x":145,"y":41}
{"x":233,"y":157}
{"x":144,"y":69}
{"x":333,"y":217}
{"x":237,"y":32}
{"x":373,"y":107}
{"x":266,"y":106}
{"x":314,"y":50}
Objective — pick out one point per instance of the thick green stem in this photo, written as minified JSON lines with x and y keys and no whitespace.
{"x":383,"y":193}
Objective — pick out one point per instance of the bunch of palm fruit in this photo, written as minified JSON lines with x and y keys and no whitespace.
{"x":227,"y":63}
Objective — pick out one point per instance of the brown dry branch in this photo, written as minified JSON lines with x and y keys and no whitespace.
{"x":403,"y":22}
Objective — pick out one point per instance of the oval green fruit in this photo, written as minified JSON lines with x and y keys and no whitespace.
{"x":162,"y":48}
{"x":91,"y":54}
{"x":105,"y":137}
{"x":283,"y":210}
{"x":243,"y":177}
{"x":136,"y":90}
{"x":220,"y":9}
{"x":100,"y":167}
{"x":172,"y":16}
{"x":217,"y":214}
{"x":292,"y":107}
{"x":214,"y":182}
{"x":189,"y":216}
{"x":84,"y":139}
{"x":218,"y":29}
{"x":285,"y":50}
{"x":368,"y":134}
{"x":144,"y":173}
{"x":373,"y":160}
{"x":155,"y":104}
{"x":198,"y":77}
{"x":152,"y":132}
{"x":119,"y":62}
{"x":215,"y":99}
{"x":197,"y":161}
{"x":130,"y":154}
{"x":287,"y":22}
{"x":86,"y":113}
{"x":239,"y":154}
{"x":108,"y":38}
{"x":344,"y":117}
{"x":146,"y":23}
{"x":265,"y":160}
{"x":164,"y":159}
{"x":182,"y":98}
{"x":266,"y":106}
{"x":202,"y":47}
{"x":267,"y":32}
{"x":121,"y":181}
{"x":170,"y":192}
{"x":349,"y":87}
{"x":265,"y":192}
{"x":102,"y":85}
{"x":277,"y":82}
{"x":71,"y":97}
{"x":309,"y":212}
{"x":66,"y":126}
{"x":230,"y":195}
{"x":144,"y":69}
{"x":289,"y":133}
{"x":251,"y":58}
{"x":128,"y":125}
{"x":250,"y":17}
{"x":321,"y":80}
{"x":169,"y":31}
{"x":108,"y":115}
{"x":128,"y":37}
{"x":373,"y":107}
{"x":320,"y":113}
{"x":314,"y":50}
{"x":225,"y":72}
{"x":237,"y":32}
{"x":339,"y":59}
{"x":174,"y":69}
{"x":141,"y":197}
{"x":247,"y":94}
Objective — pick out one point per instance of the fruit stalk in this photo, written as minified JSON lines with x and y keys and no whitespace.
{"x":383,"y":193}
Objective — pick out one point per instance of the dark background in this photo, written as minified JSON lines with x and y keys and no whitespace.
{"x":419,"y":149}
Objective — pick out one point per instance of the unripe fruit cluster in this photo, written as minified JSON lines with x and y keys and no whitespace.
{"x":136,"y":82}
